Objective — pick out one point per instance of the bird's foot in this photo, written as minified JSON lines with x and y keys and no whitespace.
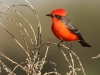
{"x":59,"y":45}
{"x":70,"y":50}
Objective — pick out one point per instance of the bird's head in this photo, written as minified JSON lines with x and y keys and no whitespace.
{"x":57,"y":14}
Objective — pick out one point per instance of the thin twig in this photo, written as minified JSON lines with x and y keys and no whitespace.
{"x":70,"y":66}
{"x":33,"y":64}
{"x":49,"y":73}
{"x":11,"y":60}
{"x":79,"y":62}
{"x":73,"y":68}
{"x":10,"y":7}
{"x":38,"y":21}
{"x":98,"y":56}
{"x":8,"y":70}
{"x":14,"y":38}
{"x":39,"y":40}
{"x":18,"y":24}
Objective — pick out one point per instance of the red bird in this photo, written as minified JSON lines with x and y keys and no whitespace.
{"x":64,"y":29}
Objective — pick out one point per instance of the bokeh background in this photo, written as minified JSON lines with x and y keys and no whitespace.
{"x":85,"y":14}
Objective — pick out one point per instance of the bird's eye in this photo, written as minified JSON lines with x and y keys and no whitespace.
{"x":58,"y":17}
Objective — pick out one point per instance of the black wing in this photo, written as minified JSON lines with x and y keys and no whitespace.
{"x":71,"y":27}
{"x":74,"y":30}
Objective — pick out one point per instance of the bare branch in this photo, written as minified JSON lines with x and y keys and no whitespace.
{"x":8,"y":70}
{"x":33,"y":65}
{"x":38,"y":21}
{"x":10,"y":7}
{"x":79,"y":63}
{"x":98,"y":56}
{"x":14,"y":38}
{"x":10,"y":60}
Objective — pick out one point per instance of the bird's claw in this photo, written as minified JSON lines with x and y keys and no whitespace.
{"x":70,"y":50}
{"x":59,"y":45}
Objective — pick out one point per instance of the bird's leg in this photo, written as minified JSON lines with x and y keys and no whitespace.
{"x":70,"y":49}
{"x":60,"y":43}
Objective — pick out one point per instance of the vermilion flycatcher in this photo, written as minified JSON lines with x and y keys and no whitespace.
{"x":64,"y":29}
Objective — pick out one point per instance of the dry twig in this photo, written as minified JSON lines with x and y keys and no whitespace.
{"x":33,"y":64}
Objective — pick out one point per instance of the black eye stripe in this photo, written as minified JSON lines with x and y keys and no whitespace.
{"x":58,"y":17}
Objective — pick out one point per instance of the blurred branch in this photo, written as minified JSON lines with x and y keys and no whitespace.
{"x":11,"y":7}
{"x":38,"y":22}
{"x":98,"y":56}
{"x":79,"y":63}
{"x":10,"y":60}
{"x":14,"y":39}
{"x":8,"y":70}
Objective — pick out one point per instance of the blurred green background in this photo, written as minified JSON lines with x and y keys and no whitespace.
{"x":85,"y":14}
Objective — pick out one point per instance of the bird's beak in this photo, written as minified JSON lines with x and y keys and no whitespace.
{"x":50,"y":15}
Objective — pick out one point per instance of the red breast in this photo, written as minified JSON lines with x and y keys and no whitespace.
{"x":61,"y":32}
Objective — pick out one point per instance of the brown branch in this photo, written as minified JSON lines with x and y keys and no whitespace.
{"x":11,"y":60}
{"x":98,"y":56}
{"x":11,"y":7}
{"x":33,"y":63}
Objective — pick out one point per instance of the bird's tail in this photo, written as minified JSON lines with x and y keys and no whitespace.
{"x":84,"y":44}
